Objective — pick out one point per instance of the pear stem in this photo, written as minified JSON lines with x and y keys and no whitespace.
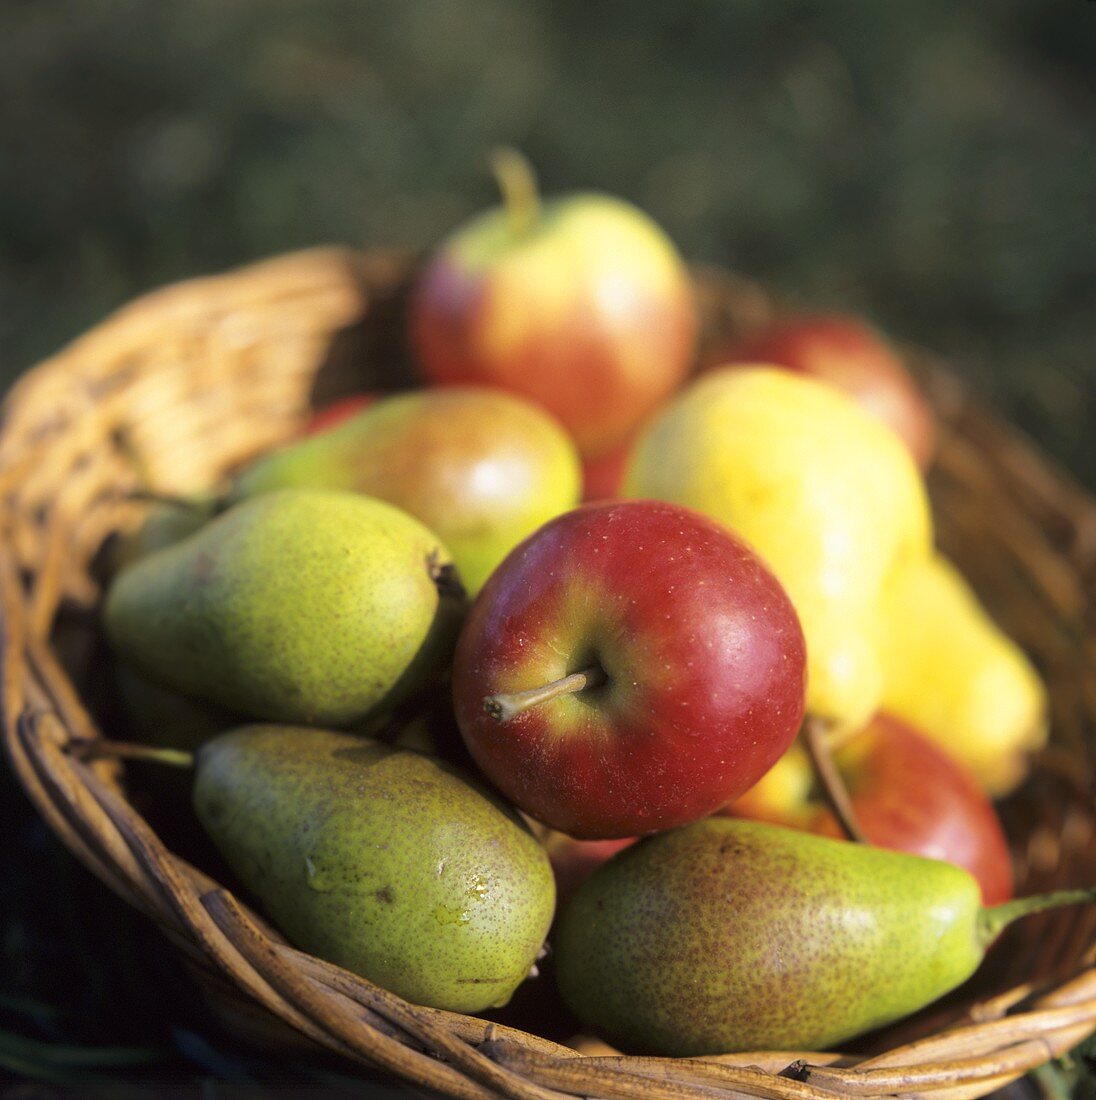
{"x":503,"y":707}
{"x":97,"y":748}
{"x":517,"y":182}
{"x":992,"y":921}
{"x":816,"y":737}
{"x":445,"y":577}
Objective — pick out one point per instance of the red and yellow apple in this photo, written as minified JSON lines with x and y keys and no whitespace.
{"x":852,"y":356}
{"x":629,"y":667}
{"x":906,"y":793}
{"x":581,"y":304}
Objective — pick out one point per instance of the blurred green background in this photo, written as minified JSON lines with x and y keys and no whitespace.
{"x":929,"y":164}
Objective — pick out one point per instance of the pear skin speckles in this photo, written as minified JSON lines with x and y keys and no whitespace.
{"x":390,"y":863}
{"x":298,"y":606}
{"x":480,"y":467}
{"x":732,"y":935}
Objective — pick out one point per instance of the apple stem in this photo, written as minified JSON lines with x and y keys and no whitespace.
{"x":816,"y":736}
{"x":98,"y":748}
{"x":503,"y":707}
{"x":518,"y":183}
{"x":993,"y":920}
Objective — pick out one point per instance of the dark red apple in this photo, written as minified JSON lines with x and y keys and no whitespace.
{"x":337,"y":411}
{"x":853,"y":356}
{"x":603,"y":478}
{"x":580,"y":304}
{"x":906,"y":793}
{"x":630,"y":667}
{"x":574,"y":861}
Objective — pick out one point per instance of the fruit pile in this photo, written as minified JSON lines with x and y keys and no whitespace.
{"x":734,"y":712}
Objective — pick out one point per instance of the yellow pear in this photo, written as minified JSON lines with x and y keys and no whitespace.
{"x":828,"y":496}
{"x":951,"y":671}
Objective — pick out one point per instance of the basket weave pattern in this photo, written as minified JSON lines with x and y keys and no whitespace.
{"x":175,"y":390}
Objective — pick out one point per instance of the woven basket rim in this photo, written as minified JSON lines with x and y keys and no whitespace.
{"x":998,"y":1040}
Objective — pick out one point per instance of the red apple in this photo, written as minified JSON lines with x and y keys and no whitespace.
{"x":630,"y":667}
{"x":906,"y":794}
{"x":852,"y":356}
{"x":337,"y":411}
{"x":574,"y":861}
{"x":581,"y":305}
{"x":603,"y":478}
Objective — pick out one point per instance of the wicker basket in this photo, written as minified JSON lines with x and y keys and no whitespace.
{"x":179,"y":387}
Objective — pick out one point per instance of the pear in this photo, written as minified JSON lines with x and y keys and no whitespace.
{"x":828,"y":496}
{"x":951,"y":671}
{"x":387,"y":862}
{"x":298,"y":606}
{"x":731,"y":935}
{"x":167,"y":522}
{"x":159,"y":716}
{"x":480,"y":467}
{"x":432,"y":729}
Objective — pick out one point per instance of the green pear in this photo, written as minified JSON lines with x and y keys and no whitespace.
{"x":732,"y":935}
{"x":432,"y":729}
{"x":167,"y":522}
{"x":158,"y":716}
{"x":482,"y":468}
{"x":825,"y":493}
{"x":298,"y":606}
{"x":387,"y":862}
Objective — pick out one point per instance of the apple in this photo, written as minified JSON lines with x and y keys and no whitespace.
{"x":333,"y":414}
{"x":629,"y":667}
{"x":906,"y":794}
{"x":580,"y":304}
{"x":574,"y":861}
{"x":603,"y":478}
{"x":851,"y":355}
